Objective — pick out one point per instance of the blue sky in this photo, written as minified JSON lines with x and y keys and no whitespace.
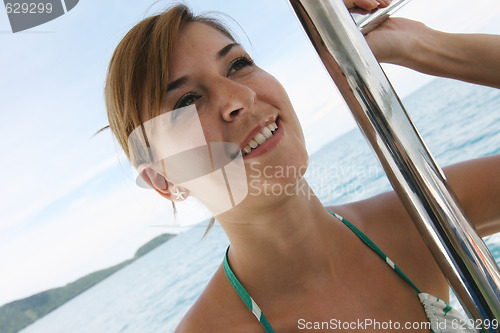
{"x":69,"y":203}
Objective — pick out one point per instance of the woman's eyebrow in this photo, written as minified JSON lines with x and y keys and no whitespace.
{"x":225,"y":50}
{"x":182,"y":80}
{"x":177,"y":83}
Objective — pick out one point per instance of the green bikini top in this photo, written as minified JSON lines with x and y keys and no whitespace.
{"x":436,"y":310}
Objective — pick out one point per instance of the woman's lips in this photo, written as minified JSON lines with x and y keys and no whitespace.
{"x":257,"y":130}
{"x":264,"y":139}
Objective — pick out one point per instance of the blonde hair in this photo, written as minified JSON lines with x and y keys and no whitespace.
{"x":138,"y":73}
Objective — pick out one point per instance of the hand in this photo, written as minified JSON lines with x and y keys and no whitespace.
{"x":367,"y":4}
{"x":397,"y":40}
{"x":473,"y":58}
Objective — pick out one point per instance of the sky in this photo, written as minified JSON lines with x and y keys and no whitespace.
{"x":69,"y":202}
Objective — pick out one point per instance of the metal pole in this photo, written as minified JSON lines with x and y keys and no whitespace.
{"x":369,"y":20}
{"x":419,"y":182}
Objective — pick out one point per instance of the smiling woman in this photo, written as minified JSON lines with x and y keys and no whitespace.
{"x":197,"y":117}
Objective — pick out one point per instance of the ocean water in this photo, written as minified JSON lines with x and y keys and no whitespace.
{"x":458,"y":121}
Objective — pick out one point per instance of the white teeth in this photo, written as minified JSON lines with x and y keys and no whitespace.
{"x":267,"y":133}
{"x":260,"y":138}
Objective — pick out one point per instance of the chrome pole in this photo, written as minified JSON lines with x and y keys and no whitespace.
{"x":419,"y":182}
{"x":369,"y":20}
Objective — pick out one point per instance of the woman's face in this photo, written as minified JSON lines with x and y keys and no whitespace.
{"x":235,"y":101}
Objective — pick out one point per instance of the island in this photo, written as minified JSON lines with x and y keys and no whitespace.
{"x":16,"y":315}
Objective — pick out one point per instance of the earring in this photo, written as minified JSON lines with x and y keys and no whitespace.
{"x":179,"y":195}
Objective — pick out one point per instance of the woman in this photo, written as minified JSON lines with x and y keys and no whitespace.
{"x":300,"y":263}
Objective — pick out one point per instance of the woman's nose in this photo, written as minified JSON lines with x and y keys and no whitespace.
{"x":234,"y":98}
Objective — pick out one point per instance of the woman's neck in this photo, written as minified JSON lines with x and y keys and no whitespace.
{"x":295,"y":237}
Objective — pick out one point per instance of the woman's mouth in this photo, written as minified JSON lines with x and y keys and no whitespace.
{"x":260,"y":138}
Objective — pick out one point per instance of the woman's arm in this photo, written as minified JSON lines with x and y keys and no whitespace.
{"x":473,"y":58}
{"x":477,"y":185}
{"x":468,"y":57}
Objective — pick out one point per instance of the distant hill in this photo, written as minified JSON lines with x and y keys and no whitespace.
{"x":17,"y":315}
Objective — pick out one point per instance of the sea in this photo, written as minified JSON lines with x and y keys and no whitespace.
{"x":458,"y":121}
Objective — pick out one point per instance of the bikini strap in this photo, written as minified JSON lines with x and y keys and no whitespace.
{"x":249,"y":302}
{"x":375,"y":248}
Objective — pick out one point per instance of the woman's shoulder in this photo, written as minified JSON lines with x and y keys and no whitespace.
{"x":376,"y":214}
{"x":218,"y":309}
{"x":385,"y":221}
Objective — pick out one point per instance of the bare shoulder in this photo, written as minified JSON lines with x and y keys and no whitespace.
{"x":378,"y":214}
{"x":218,"y":309}
{"x":386,"y":222}
{"x":384,"y":219}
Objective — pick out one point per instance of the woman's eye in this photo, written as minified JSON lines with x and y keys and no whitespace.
{"x":238,"y":64}
{"x":186,"y":100}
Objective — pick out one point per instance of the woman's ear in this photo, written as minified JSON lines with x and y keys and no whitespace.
{"x":153,"y":178}
{"x":158,"y":182}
